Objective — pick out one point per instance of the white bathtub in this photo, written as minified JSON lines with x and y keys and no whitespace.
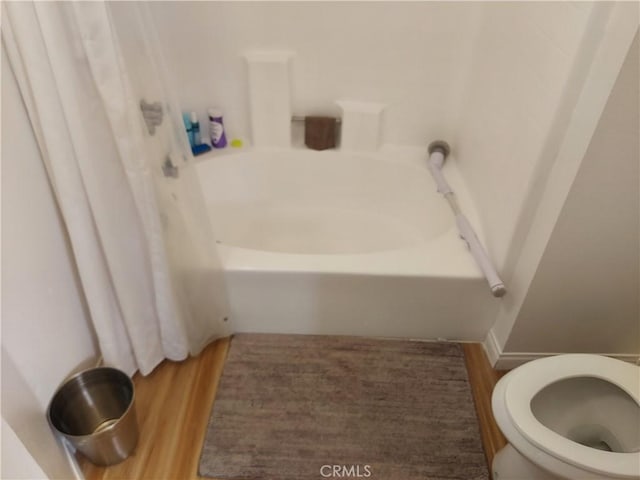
{"x":336,"y":243}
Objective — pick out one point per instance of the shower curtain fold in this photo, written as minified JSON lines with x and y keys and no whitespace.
{"x":84,"y":111}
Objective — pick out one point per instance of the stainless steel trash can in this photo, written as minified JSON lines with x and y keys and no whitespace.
{"x":95,"y":411}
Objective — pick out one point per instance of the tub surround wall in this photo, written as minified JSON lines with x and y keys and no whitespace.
{"x":487,"y":77}
{"x":361,"y":126}
{"x":269,"y":98}
{"x":411,"y":56}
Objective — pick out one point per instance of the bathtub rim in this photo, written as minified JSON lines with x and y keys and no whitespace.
{"x":444,"y":257}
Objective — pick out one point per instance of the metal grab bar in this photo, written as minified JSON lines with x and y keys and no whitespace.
{"x":438,"y":152}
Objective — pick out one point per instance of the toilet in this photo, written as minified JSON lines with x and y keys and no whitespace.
{"x":574,"y":416}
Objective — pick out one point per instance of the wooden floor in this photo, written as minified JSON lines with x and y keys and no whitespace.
{"x":172,"y":405}
{"x":174,"y":402}
{"x":483,"y":378}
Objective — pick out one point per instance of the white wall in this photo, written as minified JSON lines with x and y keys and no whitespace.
{"x":413,"y":56}
{"x":16,"y":462}
{"x":585,"y":294}
{"x":618,"y":33}
{"x":523,"y":64}
{"x":45,"y":325}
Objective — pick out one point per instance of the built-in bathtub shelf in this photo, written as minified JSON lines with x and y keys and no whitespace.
{"x":226,"y":152}
{"x":219,"y":152}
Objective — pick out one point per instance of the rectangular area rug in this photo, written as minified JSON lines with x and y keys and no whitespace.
{"x":297,"y":407}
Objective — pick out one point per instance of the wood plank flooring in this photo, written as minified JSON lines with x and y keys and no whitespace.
{"x":172,"y":405}
{"x":174,"y":402}
{"x":482,"y":379}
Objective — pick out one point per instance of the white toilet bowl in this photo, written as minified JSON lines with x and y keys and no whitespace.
{"x":571,"y":416}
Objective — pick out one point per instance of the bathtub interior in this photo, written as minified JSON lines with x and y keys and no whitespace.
{"x":325,"y":203}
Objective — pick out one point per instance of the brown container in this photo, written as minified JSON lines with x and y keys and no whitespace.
{"x":320,"y":132}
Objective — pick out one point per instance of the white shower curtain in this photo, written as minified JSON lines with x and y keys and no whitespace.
{"x":149,"y":271}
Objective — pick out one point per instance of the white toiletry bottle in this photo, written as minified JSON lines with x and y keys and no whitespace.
{"x":195,"y":129}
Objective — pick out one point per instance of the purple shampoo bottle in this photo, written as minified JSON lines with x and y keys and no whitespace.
{"x":218,"y":137}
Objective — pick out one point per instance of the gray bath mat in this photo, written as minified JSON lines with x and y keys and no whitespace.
{"x":294,"y":407}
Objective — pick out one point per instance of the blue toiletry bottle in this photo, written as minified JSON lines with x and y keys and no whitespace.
{"x":186,"y":118}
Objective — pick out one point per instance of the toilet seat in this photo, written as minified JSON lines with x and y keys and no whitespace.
{"x":532,"y":377}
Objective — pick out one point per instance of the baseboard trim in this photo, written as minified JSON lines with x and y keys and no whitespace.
{"x":492,"y":348}
{"x":507,"y":360}
{"x":510,"y":360}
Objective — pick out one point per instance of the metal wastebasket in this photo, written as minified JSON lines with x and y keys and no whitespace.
{"x":95,"y":411}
